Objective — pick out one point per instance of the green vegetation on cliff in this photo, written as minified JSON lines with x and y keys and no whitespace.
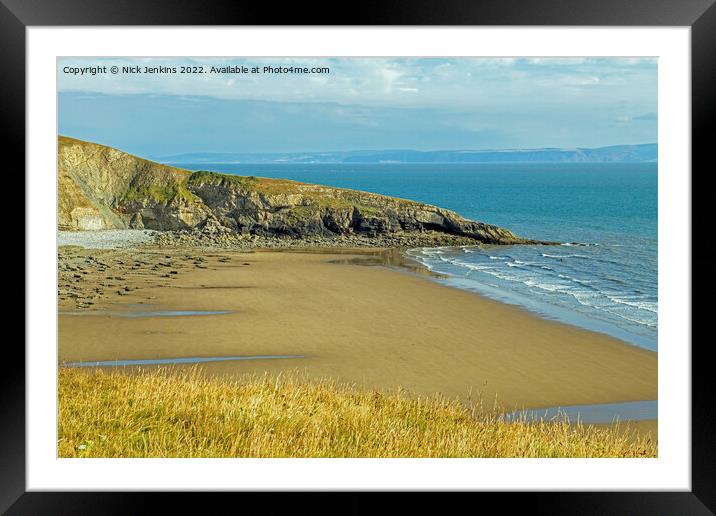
{"x":163,"y":194}
{"x":315,"y":198}
{"x":239,"y":182}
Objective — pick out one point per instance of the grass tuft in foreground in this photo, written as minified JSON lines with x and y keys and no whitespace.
{"x":184,"y":414}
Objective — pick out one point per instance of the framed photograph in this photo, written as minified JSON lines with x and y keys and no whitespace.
{"x":438,"y":249}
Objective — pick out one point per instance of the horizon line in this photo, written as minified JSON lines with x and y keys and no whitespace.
{"x":156,"y":157}
{"x":506,"y":149}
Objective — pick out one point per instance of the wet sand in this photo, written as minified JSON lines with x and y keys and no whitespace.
{"x":369,"y":325}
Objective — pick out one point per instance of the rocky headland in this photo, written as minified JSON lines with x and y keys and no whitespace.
{"x":103,"y":188}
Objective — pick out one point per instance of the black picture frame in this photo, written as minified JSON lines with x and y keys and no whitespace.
{"x":700,"y":15}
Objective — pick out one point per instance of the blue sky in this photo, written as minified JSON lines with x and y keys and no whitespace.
{"x":363,"y":103}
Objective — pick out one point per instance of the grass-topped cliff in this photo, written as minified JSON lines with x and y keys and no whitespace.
{"x":103,"y":188}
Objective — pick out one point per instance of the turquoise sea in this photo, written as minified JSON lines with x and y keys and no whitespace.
{"x":608,"y":285}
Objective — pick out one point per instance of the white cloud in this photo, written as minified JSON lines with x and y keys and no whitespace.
{"x":552,"y":61}
{"x":448,"y":83}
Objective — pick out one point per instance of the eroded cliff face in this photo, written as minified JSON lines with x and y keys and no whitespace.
{"x":103,"y":188}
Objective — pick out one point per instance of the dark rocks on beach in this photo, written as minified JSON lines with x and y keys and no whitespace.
{"x":202,"y":240}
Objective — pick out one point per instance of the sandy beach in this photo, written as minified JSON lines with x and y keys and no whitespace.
{"x":350,"y":319}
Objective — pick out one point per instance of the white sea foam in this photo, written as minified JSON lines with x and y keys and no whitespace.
{"x":650,"y":306}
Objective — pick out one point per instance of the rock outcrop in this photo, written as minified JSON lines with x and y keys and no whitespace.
{"x":103,"y":188}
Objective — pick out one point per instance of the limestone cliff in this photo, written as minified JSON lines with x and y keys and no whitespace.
{"x":103,"y":188}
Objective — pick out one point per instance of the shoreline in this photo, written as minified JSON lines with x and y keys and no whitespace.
{"x":399,"y":260}
{"x":475,"y":344}
{"x":388,"y":250}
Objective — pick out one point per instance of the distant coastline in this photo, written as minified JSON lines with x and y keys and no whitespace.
{"x":643,"y":153}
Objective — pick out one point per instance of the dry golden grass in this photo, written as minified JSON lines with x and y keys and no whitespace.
{"x":184,"y":414}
